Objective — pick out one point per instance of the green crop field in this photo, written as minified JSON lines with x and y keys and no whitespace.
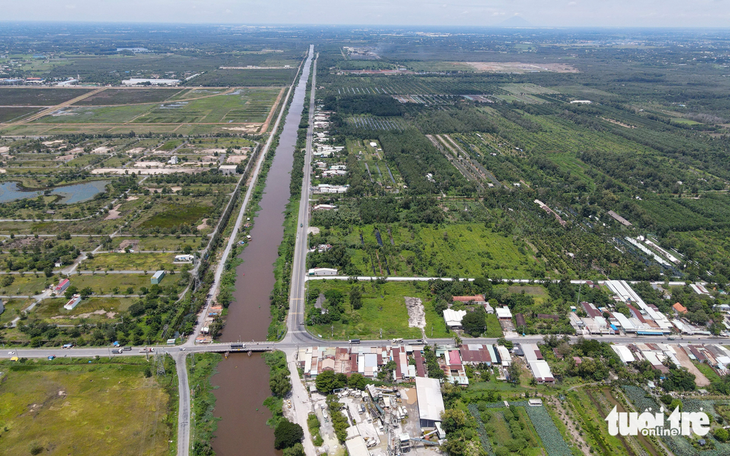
{"x":78,"y":407}
{"x":247,"y":78}
{"x":10,"y":114}
{"x":25,"y":96}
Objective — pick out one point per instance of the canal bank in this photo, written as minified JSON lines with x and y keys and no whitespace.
{"x":243,"y":382}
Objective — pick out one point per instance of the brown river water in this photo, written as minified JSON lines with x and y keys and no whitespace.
{"x":243,"y":381}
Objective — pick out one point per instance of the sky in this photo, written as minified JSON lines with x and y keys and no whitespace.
{"x":548,"y":13}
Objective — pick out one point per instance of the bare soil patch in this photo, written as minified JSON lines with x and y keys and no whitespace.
{"x":519,"y":67}
{"x":416,"y":313}
{"x":113,"y":213}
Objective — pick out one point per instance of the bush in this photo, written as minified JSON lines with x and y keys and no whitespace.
{"x":287,"y":434}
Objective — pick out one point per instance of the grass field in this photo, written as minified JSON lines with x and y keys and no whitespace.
{"x":383,"y":308}
{"x":50,"y":308}
{"x":105,"y":283}
{"x":129,"y":262}
{"x":12,"y":309}
{"x":26,"y":284}
{"x":176,"y":215}
{"x":81,"y":408}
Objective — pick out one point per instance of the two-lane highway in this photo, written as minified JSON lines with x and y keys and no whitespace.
{"x":296,"y":332}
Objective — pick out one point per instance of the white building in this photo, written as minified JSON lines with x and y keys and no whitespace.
{"x":322,"y":272}
{"x":136,"y":81}
{"x":453,"y":318}
{"x":228,"y":170}
{"x":72,"y":303}
{"x":503,"y":313}
{"x":624,"y":353}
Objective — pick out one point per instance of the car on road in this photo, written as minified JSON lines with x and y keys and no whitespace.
{"x":118,"y":351}
{"x":126,"y":349}
{"x":182,"y":349}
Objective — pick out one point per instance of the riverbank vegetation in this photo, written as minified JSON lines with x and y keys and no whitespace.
{"x":201,"y":367}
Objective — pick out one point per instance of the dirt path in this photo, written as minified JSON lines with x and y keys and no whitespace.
{"x":684,"y":360}
{"x":265,"y":126}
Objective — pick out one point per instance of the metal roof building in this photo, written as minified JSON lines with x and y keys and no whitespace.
{"x":430,"y":401}
{"x":624,"y":353}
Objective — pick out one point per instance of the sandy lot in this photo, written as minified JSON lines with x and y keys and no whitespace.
{"x":101,"y":150}
{"x":136,"y":150}
{"x":203,"y":225}
{"x":113,"y":213}
{"x":235,"y":159}
{"x":518,"y":67}
{"x":416,"y":313}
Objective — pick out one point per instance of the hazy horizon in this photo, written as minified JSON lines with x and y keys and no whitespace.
{"x":407,"y":13}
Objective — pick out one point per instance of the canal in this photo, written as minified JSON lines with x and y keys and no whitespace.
{"x":243,"y":382}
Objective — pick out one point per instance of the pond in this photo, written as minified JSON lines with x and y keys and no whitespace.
{"x":77,"y":193}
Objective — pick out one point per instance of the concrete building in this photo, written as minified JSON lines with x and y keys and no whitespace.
{"x":157,"y":278}
{"x":322,"y":272}
{"x":228,"y":170}
{"x":430,"y":401}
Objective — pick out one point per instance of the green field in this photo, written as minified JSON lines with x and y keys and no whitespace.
{"x":105,"y":283}
{"x":129,"y":262}
{"x":383,"y":308}
{"x":81,"y":407}
{"x":26,"y":284}
{"x":176,"y":215}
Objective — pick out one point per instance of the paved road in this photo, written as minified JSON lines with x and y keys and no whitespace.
{"x":183,"y":414}
{"x":287,"y":347}
{"x":296,"y":332}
